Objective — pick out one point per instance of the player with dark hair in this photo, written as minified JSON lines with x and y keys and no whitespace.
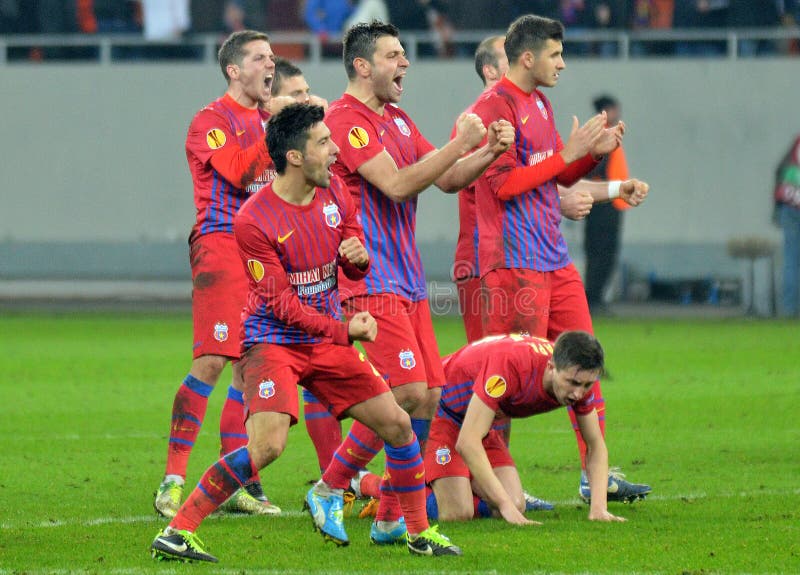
{"x":228,"y":160}
{"x":294,"y":235}
{"x":529,"y":283}
{"x":289,"y":83}
{"x":491,"y":64}
{"x":386,"y":163}
{"x":509,"y":376}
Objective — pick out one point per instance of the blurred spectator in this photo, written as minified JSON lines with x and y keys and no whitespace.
{"x":706,"y":15}
{"x":485,"y":15}
{"x":432,"y":15}
{"x":749,"y":14}
{"x":652,"y":15}
{"x":326,"y":18}
{"x":109,"y":16}
{"x":607,"y":15}
{"x":367,"y":11}
{"x":602,"y":234}
{"x":165,"y":19}
{"x":787,"y":215}
{"x":233,"y":17}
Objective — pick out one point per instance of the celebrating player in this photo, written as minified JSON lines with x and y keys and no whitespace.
{"x":228,"y":160}
{"x":527,"y":278}
{"x":386,"y":163}
{"x":510,"y":376}
{"x":294,"y":235}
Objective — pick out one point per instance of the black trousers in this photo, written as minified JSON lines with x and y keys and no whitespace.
{"x":601,"y":243}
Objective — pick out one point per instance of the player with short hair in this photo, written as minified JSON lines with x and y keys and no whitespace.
{"x":228,"y":160}
{"x":491,"y":64}
{"x":386,"y":163}
{"x":527,"y":278}
{"x":294,"y":235}
{"x":509,"y":376}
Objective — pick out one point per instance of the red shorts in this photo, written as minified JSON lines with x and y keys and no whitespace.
{"x":442,"y":459}
{"x":543,"y":304}
{"x":219,"y":294}
{"x":469,"y":304}
{"x":338,"y":376}
{"x":405,"y":350}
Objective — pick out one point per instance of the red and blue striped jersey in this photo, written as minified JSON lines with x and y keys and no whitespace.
{"x":225,"y":127}
{"x":465,"y":261}
{"x":522,"y":232}
{"x":506,"y":373}
{"x":389,"y":227}
{"x":292,"y":261}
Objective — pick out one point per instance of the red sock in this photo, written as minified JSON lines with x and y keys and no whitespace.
{"x":356,"y":451}
{"x":324,"y":429}
{"x":406,"y":474}
{"x":371,"y":485}
{"x":218,"y":483}
{"x":232,"y":434}
{"x":600,"y":407}
{"x":389,"y":505}
{"x":188,"y":411}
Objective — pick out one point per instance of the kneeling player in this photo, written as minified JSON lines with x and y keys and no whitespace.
{"x":510,"y":376}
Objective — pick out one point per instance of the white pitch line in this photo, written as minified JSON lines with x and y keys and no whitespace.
{"x":294,"y":514}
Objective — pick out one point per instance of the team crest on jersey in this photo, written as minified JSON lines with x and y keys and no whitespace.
{"x":402,"y":126}
{"x":221,"y":331}
{"x":266,"y":389}
{"x":215,"y":138}
{"x":542,"y":108}
{"x":443,"y":456}
{"x":358,"y":137}
{"x":332,"y":216}
{"x":407,"y":360}
{"x":256,"y":269}
{"x":495,"y":386}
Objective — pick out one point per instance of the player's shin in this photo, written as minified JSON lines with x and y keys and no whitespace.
{"x":406,"y":474}
{"x":357,"y":450}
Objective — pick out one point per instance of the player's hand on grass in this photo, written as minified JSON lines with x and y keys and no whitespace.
{"x":362,"y":327}
{"x":604,"y":515}
{"x":501,"y":136}
{"x":352,"y":250}
{"x":469,"y":131}
{"x":510,"y":513}
{"x":575,"y":204}
{"x":633,"y":191}
{"x":581,"y":138}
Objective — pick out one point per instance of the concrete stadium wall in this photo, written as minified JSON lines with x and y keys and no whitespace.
{"x":95,"y":182}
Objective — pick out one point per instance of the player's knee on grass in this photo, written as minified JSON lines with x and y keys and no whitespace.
{"x":454,"y":504}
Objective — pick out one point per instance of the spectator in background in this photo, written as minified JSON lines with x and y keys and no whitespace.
{"x":431,"y":15}
{"x":652,"y":15}
{"x":326,"y":19}
{"x":787,"y":215}
{"x":703,"y":14}
{"x":607,"y":15}
{"x":601,"y":239}
{"x":366,"y":11}
{"x":749,"y":14}
{"x":233,"y":16}
{"x":165,"y":19}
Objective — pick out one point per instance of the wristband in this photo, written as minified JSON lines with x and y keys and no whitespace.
{"x":613,"y":189}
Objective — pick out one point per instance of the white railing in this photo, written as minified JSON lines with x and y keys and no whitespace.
{"x":110,"y":49}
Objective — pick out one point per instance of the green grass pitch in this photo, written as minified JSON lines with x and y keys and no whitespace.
{"x":704,"y":411}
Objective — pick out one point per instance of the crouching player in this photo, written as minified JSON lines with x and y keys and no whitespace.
{"x":509,"y":376}
{"x":293,"y":235}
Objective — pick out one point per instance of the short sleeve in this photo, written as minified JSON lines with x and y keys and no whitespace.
{"x":356,"y":137}
{"x":208,"y":133}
